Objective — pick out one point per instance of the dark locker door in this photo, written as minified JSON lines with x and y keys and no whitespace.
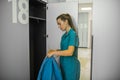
{"x":37,"y":44}
{"x":37,"y":28}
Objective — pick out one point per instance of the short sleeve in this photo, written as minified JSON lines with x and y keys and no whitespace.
{"x":72,"y":39}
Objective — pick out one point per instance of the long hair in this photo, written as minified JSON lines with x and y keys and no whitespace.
{"x":67,"y":17}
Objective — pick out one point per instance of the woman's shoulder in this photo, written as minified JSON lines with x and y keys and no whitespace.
{"x":72,"y":32}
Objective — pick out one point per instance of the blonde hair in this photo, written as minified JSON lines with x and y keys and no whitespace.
{"x":67,"y":17}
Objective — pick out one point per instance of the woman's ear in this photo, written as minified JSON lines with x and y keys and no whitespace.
{"x":66,"y":21}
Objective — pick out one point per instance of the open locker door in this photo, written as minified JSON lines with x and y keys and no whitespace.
{"x":54,"y":10}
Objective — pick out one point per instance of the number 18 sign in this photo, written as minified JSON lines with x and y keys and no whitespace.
{"x":19,"y":11}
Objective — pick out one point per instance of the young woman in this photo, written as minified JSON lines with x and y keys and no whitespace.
{"x":69,"y":63}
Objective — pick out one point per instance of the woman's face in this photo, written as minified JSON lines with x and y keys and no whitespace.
{"x":61,"y":24}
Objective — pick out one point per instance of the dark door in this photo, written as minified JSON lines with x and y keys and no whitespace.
{"x":37,"y":30}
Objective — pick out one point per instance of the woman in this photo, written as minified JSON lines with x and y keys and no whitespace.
{"x":69,"y":63}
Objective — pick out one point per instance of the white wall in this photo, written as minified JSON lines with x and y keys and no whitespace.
{"x":55,"y":1}
{"x":14,"y":46}
{"x":80,"y":1}
{"x":106,"y":45}
{"x":85,"y":1}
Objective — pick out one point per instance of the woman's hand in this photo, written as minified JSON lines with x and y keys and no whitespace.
{"x":51,"y":53}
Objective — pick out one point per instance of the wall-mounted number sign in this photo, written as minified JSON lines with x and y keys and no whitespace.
{"x":19,"y":11}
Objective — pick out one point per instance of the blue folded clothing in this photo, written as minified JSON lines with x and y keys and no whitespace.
{"x":49,"y":70}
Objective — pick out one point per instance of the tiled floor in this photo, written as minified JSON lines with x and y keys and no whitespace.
{"x":84,"y":56}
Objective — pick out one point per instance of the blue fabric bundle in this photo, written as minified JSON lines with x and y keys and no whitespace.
{"x":49,"y":70}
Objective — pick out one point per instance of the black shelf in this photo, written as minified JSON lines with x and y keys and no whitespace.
{"x":37,"y":10}
{"x":37,"y":18}
{"x":37,"y":2}
{"x":43,"y":2}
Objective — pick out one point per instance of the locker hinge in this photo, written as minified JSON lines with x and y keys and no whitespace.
{"x":47,"y":7}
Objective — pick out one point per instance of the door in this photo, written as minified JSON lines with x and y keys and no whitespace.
{"x":54,"y":10}
{"x":37,"y":45}
{"x":37,"y":28}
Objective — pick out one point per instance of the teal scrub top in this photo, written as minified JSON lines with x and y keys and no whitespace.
{"x":70,"y":39}
{"x":70,"y":65}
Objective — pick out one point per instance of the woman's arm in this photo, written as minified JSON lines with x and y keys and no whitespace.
{"x":68,"y":52}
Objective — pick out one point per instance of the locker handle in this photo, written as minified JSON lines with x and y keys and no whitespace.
{"x":45,"y":35}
